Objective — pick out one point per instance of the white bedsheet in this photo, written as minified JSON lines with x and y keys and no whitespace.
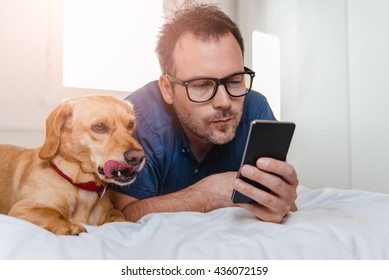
{"x":330,"y":224}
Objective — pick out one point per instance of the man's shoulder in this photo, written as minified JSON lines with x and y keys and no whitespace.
{"x":256,"y":106}
{"x":142,"y":96}
{"x":256,"y":98}
{"x":149,"y":106}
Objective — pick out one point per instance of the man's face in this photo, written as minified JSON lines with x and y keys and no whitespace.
{"x":214,"y":121}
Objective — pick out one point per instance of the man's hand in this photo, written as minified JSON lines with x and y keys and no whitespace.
{"x":278,"y":176}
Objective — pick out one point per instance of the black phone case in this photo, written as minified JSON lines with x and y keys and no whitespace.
{"x":265,"y":139}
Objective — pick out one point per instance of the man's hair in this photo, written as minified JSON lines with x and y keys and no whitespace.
{"x":205,"y":21}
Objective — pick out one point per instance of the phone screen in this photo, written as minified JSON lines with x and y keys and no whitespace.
{"x":265,"y":139}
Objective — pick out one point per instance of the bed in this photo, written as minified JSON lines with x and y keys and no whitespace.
{"x":330,"y":224}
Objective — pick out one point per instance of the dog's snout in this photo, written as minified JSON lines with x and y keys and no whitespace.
{"x":134,"y":157}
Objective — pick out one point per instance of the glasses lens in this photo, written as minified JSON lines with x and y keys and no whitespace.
{"x":239,"y":84}
{"x":201,"y":90}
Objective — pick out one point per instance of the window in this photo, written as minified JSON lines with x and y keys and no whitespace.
{"x":103,"y":45}
{"x":266,"y":64}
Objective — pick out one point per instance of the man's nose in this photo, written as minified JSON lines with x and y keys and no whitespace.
{"x":222,"y":99}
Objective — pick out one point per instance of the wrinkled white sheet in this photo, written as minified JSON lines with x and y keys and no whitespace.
{"x":330,"y":224}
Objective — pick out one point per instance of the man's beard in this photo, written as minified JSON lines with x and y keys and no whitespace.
{"x":202,"y":127}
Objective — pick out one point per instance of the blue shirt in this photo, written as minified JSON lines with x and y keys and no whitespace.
{"x":170,"y":164}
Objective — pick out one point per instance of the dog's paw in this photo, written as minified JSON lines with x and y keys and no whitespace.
{"x":115,"y":216}
{"x":119,"y":219}
{"x":67,"y":229}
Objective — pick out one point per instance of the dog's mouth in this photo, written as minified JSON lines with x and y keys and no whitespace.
{"x":118,"y":172}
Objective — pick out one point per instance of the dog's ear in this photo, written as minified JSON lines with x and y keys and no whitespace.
{"x":54,"y":124}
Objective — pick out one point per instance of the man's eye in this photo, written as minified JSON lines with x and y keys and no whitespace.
{"x":236,"y":79}
{"x":202,"y":84}
{"x":100,"y":128}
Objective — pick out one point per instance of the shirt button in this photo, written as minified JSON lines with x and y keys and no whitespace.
{"x":196,"y":170}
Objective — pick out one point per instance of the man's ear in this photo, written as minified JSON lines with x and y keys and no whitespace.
{"x":166,"y":89}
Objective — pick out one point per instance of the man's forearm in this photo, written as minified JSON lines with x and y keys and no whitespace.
{"x":204,"y":196}
{"x":185,"y":200}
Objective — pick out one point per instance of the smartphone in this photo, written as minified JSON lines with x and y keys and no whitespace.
{"x":265,"y":139}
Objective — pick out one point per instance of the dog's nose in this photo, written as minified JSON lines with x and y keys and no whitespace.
{"x":134,"y":157}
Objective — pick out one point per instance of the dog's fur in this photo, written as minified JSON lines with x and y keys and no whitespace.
{"x":82,"y":135}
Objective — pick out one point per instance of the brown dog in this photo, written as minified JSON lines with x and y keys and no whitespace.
{"x":61,"y":185}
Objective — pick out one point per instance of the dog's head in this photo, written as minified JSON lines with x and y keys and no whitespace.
{"x":95,"y":132}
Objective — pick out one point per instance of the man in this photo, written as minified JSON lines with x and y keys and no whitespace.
{"x":193,"y":124}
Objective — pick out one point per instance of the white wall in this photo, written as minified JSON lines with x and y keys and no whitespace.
{"x":313,"y":82}
{"x":369,"y":93}
{"x":334,"y":63}
{"x":334,"y":85}
{"x":23,"y":70}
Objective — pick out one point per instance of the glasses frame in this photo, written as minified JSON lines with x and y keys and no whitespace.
{"x":218,"y":82}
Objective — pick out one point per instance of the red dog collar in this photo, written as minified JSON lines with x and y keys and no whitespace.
{"x":90,"y":186}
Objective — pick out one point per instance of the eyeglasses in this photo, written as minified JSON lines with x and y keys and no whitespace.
{"x":204,"y":89}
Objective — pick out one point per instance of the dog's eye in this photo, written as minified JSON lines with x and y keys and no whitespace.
{"x":131,"y":125}
{"x":100,"y":128}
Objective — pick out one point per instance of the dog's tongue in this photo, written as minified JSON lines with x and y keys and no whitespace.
{"x":112,"y":166}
